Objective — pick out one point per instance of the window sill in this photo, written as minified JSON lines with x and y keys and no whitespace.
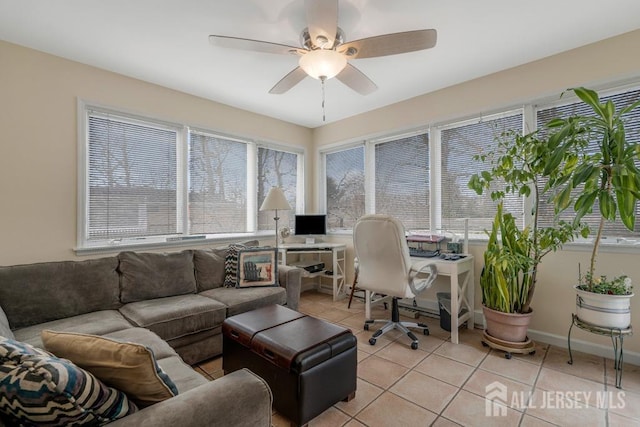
{"x":163,"y":243}
{"x":610,"y":245}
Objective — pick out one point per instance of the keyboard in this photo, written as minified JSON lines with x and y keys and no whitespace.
{"x":417,"y":252}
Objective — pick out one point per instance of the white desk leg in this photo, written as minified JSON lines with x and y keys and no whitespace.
{"x":471,"y":292}
{"x":455,"y":305}
{"x":367,"y":305}
{"x":334,"y":279}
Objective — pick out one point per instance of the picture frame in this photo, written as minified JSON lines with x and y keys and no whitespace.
{"x":257,"y":267}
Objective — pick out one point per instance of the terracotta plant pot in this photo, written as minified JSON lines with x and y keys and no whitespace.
{"x":507,"y":326}
{"x":607,"y":311}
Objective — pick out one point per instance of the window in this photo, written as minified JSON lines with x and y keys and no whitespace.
{"x":423,"y":179}
{"x":217,"y":185}
{"x":344,"y":188}
{"x":621,"y":100}
{"x":144,"y":181}
{"x":277,"y":169}
{"x":402,"y":180}
{"x":132,"y":179}
{"x":459,"y":143}
{"x":420,"y":179}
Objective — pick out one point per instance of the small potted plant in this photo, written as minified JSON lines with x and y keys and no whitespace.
{"x":593,"y":166}
{"x":512,"y":257}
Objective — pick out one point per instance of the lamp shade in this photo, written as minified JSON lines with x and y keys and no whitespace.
{"x":275,"y":200}
{"x":323,"y":63}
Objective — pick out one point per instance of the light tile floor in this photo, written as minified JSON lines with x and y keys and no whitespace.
{"x":444,"y":384}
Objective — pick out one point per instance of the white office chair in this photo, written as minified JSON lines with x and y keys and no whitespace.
{"x":385,"y":267}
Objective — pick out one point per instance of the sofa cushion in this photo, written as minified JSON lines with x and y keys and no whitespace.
{"x":5,"y":329}
{"x":209,"y":266}
{"x":149,"y":275}
{"x":98,"y":323}
{"x":145,"y":337}
{"x":241,"y":300}
{"x":58,"y":289}
{"x":196,"y":348}
{"x":128,"y":367}
{"x":41,"y":389}
{"x":174,"y":317}
{"x":182,"y":374}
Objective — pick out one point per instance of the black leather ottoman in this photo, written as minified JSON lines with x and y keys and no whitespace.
{"x":309,"y":364}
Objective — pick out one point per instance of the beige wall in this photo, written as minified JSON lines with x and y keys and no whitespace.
{"x":38,"y":141}
{"x":612,"y":60}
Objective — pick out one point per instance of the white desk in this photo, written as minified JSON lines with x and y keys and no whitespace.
{"x":317,"y":251}
{"x":460,"y":274}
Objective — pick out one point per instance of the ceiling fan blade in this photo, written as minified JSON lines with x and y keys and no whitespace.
{"x":356,"y":80}
{"x":322,"y":20}
{"x":254,"y":45}
{"x":389,"y":44}
{"x":288,"y":81}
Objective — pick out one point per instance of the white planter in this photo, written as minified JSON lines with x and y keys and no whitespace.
{"x":608,"y":311}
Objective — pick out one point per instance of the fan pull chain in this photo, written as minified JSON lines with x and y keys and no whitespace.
{"x":322,"y":79}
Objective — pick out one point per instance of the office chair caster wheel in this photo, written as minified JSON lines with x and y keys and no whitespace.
{"x":425,"y":332}
{"x":414,"y":346}
{"x":507,"y":355}
{"x":366,"y":326}
{"x":372,"y":341}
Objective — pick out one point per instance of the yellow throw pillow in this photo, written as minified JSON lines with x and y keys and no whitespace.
{"x":128,"y":367}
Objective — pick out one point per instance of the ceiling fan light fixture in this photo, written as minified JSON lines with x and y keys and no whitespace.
{"x":323,"y":63}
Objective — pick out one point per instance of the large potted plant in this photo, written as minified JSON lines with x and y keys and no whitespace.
{"x":508,"y":281}
{"x":593,"y":165}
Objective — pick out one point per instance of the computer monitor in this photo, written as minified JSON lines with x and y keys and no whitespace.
{"x":310,"y":225}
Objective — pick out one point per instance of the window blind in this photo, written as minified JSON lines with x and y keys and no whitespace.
{"x":217,"y":184}
{"x":632,"y":127}
{"x":402,"y":180}
{"x":131,"y":178}
{"x":458,"y":146}
{"x":345,"y":188}
{"x":276,"y":169}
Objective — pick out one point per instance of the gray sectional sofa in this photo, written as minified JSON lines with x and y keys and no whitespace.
{"x":174,"y":303}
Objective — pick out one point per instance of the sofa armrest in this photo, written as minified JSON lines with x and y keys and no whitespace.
{"x":290,"y":278}
{"x":238,"y":399}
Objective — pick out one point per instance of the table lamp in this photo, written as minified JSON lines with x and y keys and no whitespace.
{"x":275,"y":201}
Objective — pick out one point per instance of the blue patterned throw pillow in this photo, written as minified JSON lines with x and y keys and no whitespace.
{"x":41,"y":389}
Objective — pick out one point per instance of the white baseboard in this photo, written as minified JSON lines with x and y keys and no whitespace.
{"x":577,"y":345}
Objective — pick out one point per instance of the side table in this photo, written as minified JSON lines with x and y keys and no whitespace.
{"x":617,"y":339}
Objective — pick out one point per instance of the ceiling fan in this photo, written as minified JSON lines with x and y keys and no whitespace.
{"x":325,"y":53}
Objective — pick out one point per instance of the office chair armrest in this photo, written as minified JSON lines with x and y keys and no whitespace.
{"x":422,"y":268}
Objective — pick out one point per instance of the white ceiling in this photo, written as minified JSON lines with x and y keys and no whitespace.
{"x":166,"y":42}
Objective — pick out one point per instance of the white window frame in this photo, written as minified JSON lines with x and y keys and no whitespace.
{"x":568,"y":98}
{"x":85,"y":247}
{"x":322,"y":177}
{"x":435,"y":163}
{"x":436,"y":159}
{"x":370,"y":168}
{"x":528,"y":110}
